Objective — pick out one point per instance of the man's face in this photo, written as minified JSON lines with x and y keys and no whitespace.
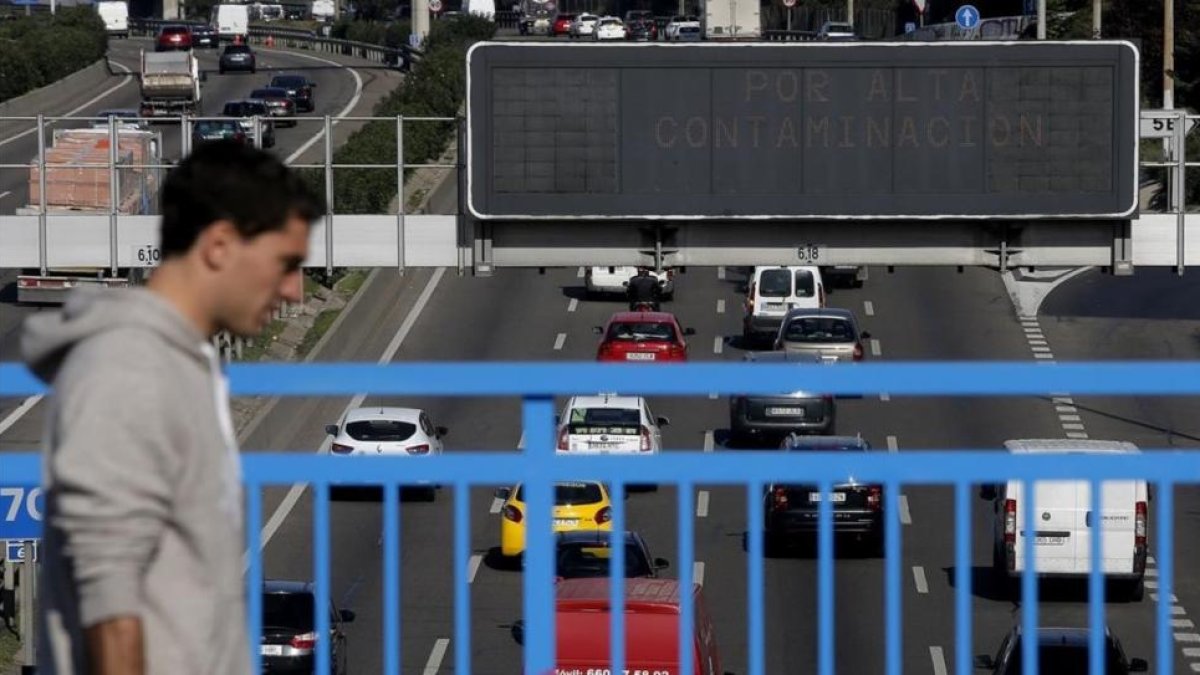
{"x":264,"y":272}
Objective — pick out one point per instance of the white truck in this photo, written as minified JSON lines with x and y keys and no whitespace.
{"x":115,"y":15}
{"x":170,"y":83}
{"x":75,"y":190}
{"x":324,"y":10}
{"x":732,"y":20}
{"x":231,"y":22}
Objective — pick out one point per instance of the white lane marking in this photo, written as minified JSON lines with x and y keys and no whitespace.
{"x":125,"y":79}
{"x":721,"y":306}
{"x":1077,"y":435}
{"x":573,"y":304}
{"x":497,"y":504}
{"x":713,"y":396}
{"x":905,"y":514}
{"x":1154,"y":598}
{"x":473,"y":567}
{"x":1065,"y":409}
{"x":1151,"y":584}
{"x":884,"y":397}
{"x":1064,"y":400}
{"x":5,"y":194}
{"x":1041,"y":350}
{"x":1187,"y":637}
{"x":1192,"y":652}
{"x":435,"y":657}
{"x":1195,"y":667}
{"x":17,"y":414}
{"x":1151,"y":571}
{"x":1069,"y":418}
{"x":1072,"y":426}
{"x":718,"y":344}
{"x":868,"y":308}
{"x":1150,"y":560}
{"x":939,"y":660}
{"x":698,"y":573}
{"x":1038,"y":355}
{"x":358,"y":89}
{"x":702,"y":504}
{"x":876,"y":348}
{"x":289,"y":502}
{"x":559,"y":341}
{"x":919,"y":579}
{"x":1176,"y":610}
{"x":708,"y":441}
{"x":720,"y":271}
{"x":1182,"y":623}
{"x":893,"y":444}
{"x":579,"y":273}
{"x":1039,"y":343}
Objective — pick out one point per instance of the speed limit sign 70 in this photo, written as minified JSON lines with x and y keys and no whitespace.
{"x":789,"y":3}
{"x":435,"y":6}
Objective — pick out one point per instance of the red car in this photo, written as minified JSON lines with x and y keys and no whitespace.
{"x":562,"y":24}
{"x":173,"y":37}
{"x":642,"y":336}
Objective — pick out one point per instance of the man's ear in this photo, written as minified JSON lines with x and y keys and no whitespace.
{"x":217,"y":244}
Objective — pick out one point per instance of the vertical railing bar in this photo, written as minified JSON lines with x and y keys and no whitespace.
{"x":892,"y":559}
{"x":329,"y":195}
{"x":462,"y":586}
{"x":825,"y":606}
{"x":254,"y":597}
{"x":754,"y":582}
{"x":685,"y":556}
{"x":1165,"y":533}
{"x":43,"y":236}
{"x":1096,"y":623}
{"x":963,"y":664}
{"x":401,"y":208}
{"x":391,"y":579}
{"x":322,"y":577}
{"x":114,"y":194}
{"x":538,"y":592}
{"x":616,"y":583}
{"x":1029,"y":589}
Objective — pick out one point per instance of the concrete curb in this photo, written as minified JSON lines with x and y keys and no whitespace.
{"x":31,"y":103}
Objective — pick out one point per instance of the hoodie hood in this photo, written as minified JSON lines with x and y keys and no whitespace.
{"x":48,"y":338}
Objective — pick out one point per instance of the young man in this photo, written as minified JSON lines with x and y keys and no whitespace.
{"x":143,"y":541}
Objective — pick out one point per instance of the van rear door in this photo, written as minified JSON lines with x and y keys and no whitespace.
{"x":1118,"y":501}
{"x":1057,"y":521}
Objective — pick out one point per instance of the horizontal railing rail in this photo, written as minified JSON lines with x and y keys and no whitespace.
{"x":538,"y":465}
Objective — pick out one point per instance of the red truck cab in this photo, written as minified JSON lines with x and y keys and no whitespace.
{"x":651,"y":628}
{"x":642,"y":336}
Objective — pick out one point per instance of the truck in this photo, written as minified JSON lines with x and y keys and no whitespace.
{"x":732,"y":20}
{"x":231,"y":21}
{"x":75,"y":190}
{"x":115,"y":15}
{"x":170,"y":83}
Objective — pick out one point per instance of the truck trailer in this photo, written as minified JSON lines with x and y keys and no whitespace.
{"x":170,"y":83}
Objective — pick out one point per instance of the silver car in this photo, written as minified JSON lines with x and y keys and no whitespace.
{"x":832,"y":334}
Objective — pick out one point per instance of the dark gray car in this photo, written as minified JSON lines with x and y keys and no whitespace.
{"x":1062,"y":651}
{"x":246,"y":111}
{"x":289,"y":629}
{"x":768,"y":417}
{"x":238,"y":57}
{"x":831,"y":334}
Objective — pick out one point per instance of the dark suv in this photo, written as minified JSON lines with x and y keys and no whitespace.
{"x":772,"y":416}
{"x":245,"y":111}
{"x":299,"y":88}
{"x":1063,"y":651}
{"x":289,"y":631}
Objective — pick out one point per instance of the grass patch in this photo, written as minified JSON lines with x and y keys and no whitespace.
{"x":310,"y":286}
{"x":349,"y":284}
{"x":9,"y":646}
{"x":257,"y":348}
{"x":320,"y":326}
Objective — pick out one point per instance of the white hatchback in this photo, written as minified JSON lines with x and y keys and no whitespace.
{"x":584,"y":24}
{"x":609,"y":425}
{"x":610,"y":28}
{"x":387,"y":431}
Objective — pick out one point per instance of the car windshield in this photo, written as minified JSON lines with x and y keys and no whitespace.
{"x":591,"y":559}
{"x":610,"y":22}
{"x":288,"y":81}
{"x":775,"y":283}
{"x":1065,"y":660}
{"x":381,"y":430}
{"x":605,"y":421}
{"x":570,"y":494}
{"x":641,"y":331}
{"x":818,"y":329}
{"x":293,"y":611}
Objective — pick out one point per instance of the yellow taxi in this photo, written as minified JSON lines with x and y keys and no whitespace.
{"x":582,"y":505}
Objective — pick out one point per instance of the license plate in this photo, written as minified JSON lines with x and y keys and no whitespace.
{"x":826,"y":358}
{"x":785,"y":412}
{"x":566,"y":522}
{"x":640,"y":356}
{"x":835,"y":498}
{"x":272,"y":650}
{"x":774,"y":305}
{"x":1050,"y":541}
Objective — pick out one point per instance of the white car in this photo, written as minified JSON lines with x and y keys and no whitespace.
{"x":600,"y":280}
{"x":387,"y":431}
{"x":584,"y":24}
{"x":610,"y":28}
{"x":672,"y":30}
{"x":609,"y":425}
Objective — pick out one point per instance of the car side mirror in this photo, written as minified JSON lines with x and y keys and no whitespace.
{"x":1139,"y":666}
{"x":661,"y":563}
{"x":663,"y":421}
{"x":598,"y":330}
{"x":625,"y":284}
{"x":689,"y":331}
{"x":347,"y":615}
{"x":331,"y":429}
{"x":518,"y":631}
{"x":503,"y":493}
{"x":987,"y":492}
{"x":983,"y":661}
{"x":865,"y":335}
{"x":441,"y":431}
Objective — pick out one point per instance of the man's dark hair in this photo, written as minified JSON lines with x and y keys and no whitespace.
{"x":226,"y":180}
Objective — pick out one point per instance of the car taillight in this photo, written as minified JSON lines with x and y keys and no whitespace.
{"x":513,"y":513}
{"x":422,"y":449}
{"x":779,"y":499}
{"x":677,"y":352}
{"x":750,"y":298}
{"x":1010,"y":521}
{"x":606,"y":351}
{"x":821,"y":295}
{"x":304,"y":641}
{"x":1139,"y":525}
{"x":645,"y":438}
{"x":339,"y":449}
{"x":604,"y":515}
{"x":874,"y":497}
{"x":858,"y":351}
{"x":563,"y":440}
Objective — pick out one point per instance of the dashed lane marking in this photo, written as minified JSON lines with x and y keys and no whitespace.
{"x":559,"y":341}
{"x":708,"y":441}
{"x":435,"y":657}
{"x":573,"y":305}
{"x":721,"y":272}
{"x":876,"y":348}
{"x":939,"y":660}
{"x":919,"y":579}
{"x":868,"y":308}
{"x":473,"y":567}
{"x":698,"y":573}
{"x":893,"y":444}
{"x":721,"y":306}
{"x":497,"y":504}
{"x":579,"y":273}
{"x":905,"y":514}
{"x":718,"y":344}
{"x":702,"y":504}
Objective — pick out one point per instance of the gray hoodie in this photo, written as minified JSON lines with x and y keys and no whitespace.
{"x":143,"y":513}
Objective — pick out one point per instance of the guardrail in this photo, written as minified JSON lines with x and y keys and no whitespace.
{"x":401,"y":57}
{"x":538,"y":466}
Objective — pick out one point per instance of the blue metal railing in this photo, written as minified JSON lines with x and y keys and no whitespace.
{"x":537,"y":467}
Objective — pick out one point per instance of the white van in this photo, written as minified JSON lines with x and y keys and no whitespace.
{"x":1065,"y":521}
{"x":773,"y":291}
{"x":482,"y":8}
{"x":115,"y":15}
{"x":231,"y":21}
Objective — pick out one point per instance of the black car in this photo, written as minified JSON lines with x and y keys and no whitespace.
{"x":792,"y":510}
{"x":238,"y":57}
{"x":767,"y":417}
{"x":216,"y":130}
{"x":299,"y":88}
{"x":204,"y":35}
{"x":289,"y":633}
{"x":586,"y":553}
{"x":246,"y":111}
{"x":1062,"y":651}
{"x":279,"y":103}
{"x":642,"y":30}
